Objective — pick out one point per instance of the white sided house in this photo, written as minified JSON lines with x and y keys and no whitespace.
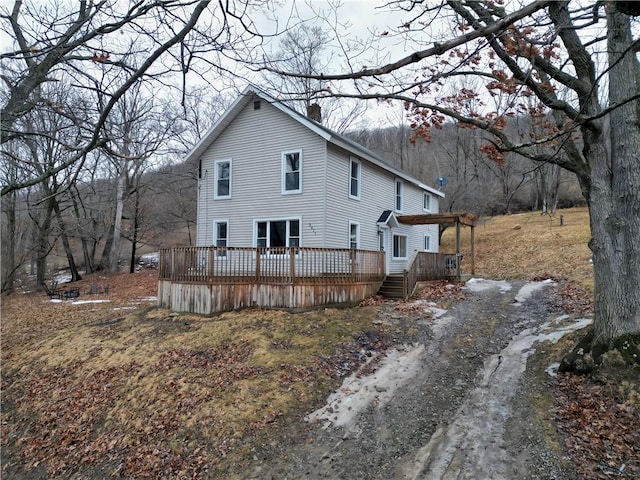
{"x":293,"y":215}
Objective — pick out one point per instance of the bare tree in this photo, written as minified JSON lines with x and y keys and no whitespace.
{"x":90,"y":45}
{"x":540,"y":49}
{"x":304,"y":49}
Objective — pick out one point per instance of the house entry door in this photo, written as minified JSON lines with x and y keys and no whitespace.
{"x":385,"y":246}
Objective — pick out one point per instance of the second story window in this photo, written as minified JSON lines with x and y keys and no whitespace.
{"x":354,"y":179}
{"x":399,"y":188}
{"x":292,"y":172}
{"x":426,"y":202}
{"x":222,"y":179}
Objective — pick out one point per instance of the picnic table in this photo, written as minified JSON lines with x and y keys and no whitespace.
{"x":63,"y":293}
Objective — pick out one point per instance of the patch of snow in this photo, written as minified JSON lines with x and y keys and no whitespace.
{"x":482,"y":284}
{"x":437,"y":312}
{"x":357,"y":393}
{"x":150,"y":257}
{"x":124,"y":308}
{"x":62,"y":277}
{"x":82,"y":302}
{"x":55,"y":300}
{"x":473,"y":437}
{"x":431,"y":307}
{"x":148,"y":299}
{"x":529,"y":288}
{"x":552,"y":370}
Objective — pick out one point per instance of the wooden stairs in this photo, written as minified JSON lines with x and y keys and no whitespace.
{"x":393,"y":286}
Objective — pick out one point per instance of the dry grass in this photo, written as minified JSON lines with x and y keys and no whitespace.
{"x":122,"y":388}
{"x":147,"y":393}
{"x":529,"y":245}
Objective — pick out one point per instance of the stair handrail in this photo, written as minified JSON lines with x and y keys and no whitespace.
{"x":410,"y":276}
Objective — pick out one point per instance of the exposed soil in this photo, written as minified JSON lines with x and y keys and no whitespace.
{"x":459,"y":403}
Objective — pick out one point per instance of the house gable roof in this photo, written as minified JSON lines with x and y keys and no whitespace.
{"x":251,"y":92}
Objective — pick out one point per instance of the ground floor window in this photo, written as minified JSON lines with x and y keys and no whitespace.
{"x":278,"y":233}
{"x":427,"y":243}
{"x":399,"y":246}
{"x":221,"y":236}
{"x":354,"y":235}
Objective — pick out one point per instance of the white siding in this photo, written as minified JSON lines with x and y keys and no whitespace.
{"x":377,"y":194}
{"x":255,"y":141}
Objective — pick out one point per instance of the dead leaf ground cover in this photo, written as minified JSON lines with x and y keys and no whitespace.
{"x":95,"y":390}
{"x":120,"y":388}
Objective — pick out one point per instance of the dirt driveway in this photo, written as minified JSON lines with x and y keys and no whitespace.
{"x":458,"y":403}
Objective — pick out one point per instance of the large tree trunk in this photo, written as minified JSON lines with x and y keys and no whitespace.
{"x":614,"y":207}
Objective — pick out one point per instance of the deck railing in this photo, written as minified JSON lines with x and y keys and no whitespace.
{"x":430,"y":266}
{"x":281,"y":265}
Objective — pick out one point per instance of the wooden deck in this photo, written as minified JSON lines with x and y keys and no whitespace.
{"x":208,"y":280}
{"x":214,"y":279}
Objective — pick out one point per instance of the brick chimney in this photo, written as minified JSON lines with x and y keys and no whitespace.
{"x":314,"y":112}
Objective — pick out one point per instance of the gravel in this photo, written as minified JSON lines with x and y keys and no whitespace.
{"x":457,"y":404}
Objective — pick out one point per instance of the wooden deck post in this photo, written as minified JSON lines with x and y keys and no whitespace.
{"x":210,"y":269}
{"x":258,"y":255}
{"x":353,"y":265}
{"x":473,"y":250}
{"x":458,"y":249}
{"x":173,"y":264}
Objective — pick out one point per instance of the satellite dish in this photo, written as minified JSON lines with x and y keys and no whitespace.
{"x":441,"y":181}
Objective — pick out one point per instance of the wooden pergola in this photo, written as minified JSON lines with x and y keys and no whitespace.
{"x":447,"y":218}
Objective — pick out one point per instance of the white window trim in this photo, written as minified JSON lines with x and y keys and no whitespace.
{"x":397,"y":183}
{"x":406,"y":244}
{"x":426,"y":195}
{"x":215,"y":234}
{"x":357,"y":225}
{"x":215,"y":178}
{"x":353,"y":160}
{"x":276,"y":219}
{"x":284,"y":173}
{"x":427,"y":239}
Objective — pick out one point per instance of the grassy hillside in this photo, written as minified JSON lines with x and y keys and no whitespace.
{"x":116,"y":387}
{"x":529,"y":245}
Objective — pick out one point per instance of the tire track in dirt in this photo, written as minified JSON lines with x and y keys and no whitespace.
{"x":443,"y":419}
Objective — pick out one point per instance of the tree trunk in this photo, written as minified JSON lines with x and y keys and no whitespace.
{"x":117,"y":222}
{"x":134,"y":233}
{"x":615,"y":205}
{"x":106,"y":250}
{"x":9,"y":242}
{"x":43,"y":246}
{"x":88,"y":257}
{"x":75,"y":275}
